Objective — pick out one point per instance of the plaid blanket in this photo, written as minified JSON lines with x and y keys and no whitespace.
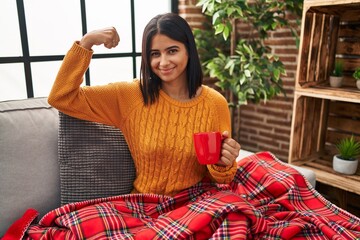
{"x":266,"y":200}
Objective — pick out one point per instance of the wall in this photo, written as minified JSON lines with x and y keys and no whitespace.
{"x":263,"y":127}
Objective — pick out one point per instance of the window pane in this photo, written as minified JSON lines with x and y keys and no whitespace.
{"x":110,"y":13}
{"x":10,"y":42}
{"x":146,"y":10}
{"x":12,"y":84}
{"x":52,"y":25}
{"x":43,"y":76}
{"x":104,"y":71}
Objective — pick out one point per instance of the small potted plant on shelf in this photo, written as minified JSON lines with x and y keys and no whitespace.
{"x":346,"y":161}
{"x":356,"y":75}
{"x":336,"y":75}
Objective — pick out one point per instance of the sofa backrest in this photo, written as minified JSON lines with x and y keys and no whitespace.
{"x":29,"y":169}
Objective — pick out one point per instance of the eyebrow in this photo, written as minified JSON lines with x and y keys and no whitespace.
{"x":168,"y":48}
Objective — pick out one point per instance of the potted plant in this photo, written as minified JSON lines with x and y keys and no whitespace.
{"x":336,"y":75}
{"x":356,"y":75}
{"x":346,"y":161}
{"x":244,"y":67}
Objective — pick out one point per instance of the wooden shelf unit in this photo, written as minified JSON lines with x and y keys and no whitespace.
{"x":321,"y":114}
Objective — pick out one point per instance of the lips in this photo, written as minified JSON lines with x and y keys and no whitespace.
{"x":166,"y":71}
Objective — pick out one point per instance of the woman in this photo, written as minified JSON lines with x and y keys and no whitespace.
{"x":159,"y":114}
{"x":266,"y":199}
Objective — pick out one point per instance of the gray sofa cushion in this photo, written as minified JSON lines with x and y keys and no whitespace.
{"x":94,"y":161}
{"x":28,"y":159}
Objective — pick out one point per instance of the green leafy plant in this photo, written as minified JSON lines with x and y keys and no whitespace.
{"x":348,"y":148}
{"x":205,"y":40}
{"x":356,"y":74}
{"x":245,"y":68}
{"x":338,"y":69}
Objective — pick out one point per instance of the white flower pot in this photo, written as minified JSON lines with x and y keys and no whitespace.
{"x":358,"y":84}
{"x":344,"y":166}
{"x":335,"y":81}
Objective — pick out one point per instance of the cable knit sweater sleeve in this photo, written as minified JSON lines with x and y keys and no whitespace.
{"x":83,"y":102}
{"x":218,"y":173}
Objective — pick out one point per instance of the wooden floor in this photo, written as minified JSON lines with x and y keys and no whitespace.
{"x":347,"y":200}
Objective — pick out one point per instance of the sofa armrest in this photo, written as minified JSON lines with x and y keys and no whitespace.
{"x":29,"y":170}
{"x":307,"y":173}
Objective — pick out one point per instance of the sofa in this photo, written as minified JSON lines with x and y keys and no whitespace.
{"x":48,"y":159}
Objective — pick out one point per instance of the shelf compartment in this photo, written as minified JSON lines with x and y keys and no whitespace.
{"x":330,"y":31}
{"x":318,"y":124}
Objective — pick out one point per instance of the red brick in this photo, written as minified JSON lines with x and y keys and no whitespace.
{"x":261,"y":140}
{"x":275,"y":137}
{"x":286,"y":33}
{"x":280,"y":42}
{"x":271,"y":112}
{"x":283,"y":131}
{"x":285,"y":59}
{"x":278,"y":105}
{"x":280,"y":122}
{"x":191,"y":10}
{"x":287,"y":50}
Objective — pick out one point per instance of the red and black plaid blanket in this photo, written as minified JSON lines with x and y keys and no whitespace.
{"x":267,"y":200}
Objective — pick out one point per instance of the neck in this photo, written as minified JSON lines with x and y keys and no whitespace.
{"x":177,"y":92}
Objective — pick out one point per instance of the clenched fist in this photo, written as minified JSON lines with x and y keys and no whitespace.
{"x":107,"y":36}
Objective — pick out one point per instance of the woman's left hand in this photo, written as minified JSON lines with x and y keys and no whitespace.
{"x":229,"y":151}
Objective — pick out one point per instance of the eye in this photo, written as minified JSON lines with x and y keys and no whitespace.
{"x":154,"y":54}
{"x":173,"y":51}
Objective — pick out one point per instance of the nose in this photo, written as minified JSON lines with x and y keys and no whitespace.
{"x":164,"y":60}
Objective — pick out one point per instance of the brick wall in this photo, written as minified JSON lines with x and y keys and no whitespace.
{"x":263,"y":127}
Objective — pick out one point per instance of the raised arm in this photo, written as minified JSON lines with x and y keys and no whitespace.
{"x":89,"y":103}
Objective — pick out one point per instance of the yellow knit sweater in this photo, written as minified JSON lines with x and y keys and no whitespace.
{"x":160,"y":136}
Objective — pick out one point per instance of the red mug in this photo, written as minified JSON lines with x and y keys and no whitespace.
{"x":208,"y":146}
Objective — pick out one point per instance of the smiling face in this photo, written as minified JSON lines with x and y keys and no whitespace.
{"x":168,"y":59}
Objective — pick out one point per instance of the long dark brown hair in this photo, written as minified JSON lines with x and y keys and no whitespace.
{"x":176,"y":28}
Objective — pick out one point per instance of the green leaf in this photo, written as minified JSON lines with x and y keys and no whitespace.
{"x":274,"y":25}
{"x":229,"y":63}
{"x":230,"y":11}
{"x":242,"y":79}
{"x":247,"y":73}
{"x":201,"y":2}
{"x":205,"y":4}
{"x":248,"y":49}
{"x":226,"y":32}
{"x":219,"y":28}
{"x":277,"y":74}
{"x":215,"y":17}
{"x":231,"y":70}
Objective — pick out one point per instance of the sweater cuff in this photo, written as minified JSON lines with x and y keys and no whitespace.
{"x":222,"y":174}
{"x":80,"y":50}
{"x":220,"y":168}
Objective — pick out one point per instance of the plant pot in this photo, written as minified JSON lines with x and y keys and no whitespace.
{"x":358,"y":84}
{"x":344,"y":166}
{"x":335,"y":81}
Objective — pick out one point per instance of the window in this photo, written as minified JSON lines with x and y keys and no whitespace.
{"x":37,"y":34}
